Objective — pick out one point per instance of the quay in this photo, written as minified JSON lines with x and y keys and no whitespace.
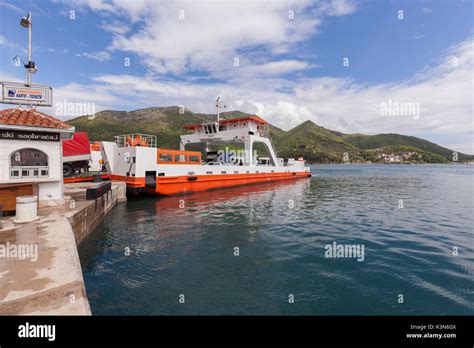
{"x":40,"y":271}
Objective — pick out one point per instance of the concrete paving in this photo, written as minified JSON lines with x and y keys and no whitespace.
{"x":40,"y":270}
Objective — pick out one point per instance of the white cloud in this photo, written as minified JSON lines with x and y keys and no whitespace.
{"x":12,"y":45}
{"x":100,"y":56}
{"x":180,"y":36}
{"x":426,"y":10}
{"x":115,"y":27}
{"x":10,"y":78}
{"x":11,"y":7}
{"x":74,"y":93}
{"x":338,"y":7}
{"x":77,"y":93}
{"x":275,"y":67}
{"x":417,"y":37}
{"x":94,"y":5}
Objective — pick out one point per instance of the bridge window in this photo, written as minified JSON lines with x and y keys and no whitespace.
{"x":194,"y":159}
{"x":166,"y":157}
{"x":180,"y":158}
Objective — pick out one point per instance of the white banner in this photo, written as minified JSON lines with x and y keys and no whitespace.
{"x":21,"y":94}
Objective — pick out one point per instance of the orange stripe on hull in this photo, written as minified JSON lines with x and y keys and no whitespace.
{"x":182,"y":184}
{"x":130,"y":180}
{"x":83,"y":178}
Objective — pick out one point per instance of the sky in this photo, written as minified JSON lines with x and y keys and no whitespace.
{"x":355,"y":66}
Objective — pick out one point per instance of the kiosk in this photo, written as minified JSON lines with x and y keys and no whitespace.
{"x":31,"y":156}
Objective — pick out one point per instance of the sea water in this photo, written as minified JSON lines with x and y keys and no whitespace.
{"x":293,"y":247}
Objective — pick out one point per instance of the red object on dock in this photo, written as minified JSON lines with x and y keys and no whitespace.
{"x":78,"y":145}
{"x":84,"y":178}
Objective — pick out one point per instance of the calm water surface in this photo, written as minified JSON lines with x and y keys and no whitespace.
{"x":281,"y":230}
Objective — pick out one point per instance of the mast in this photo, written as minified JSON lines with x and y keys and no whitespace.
{"x":218,"y":108}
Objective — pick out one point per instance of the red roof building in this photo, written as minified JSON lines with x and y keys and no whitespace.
{"x":30,"y":118}
{"x":31,"y":157}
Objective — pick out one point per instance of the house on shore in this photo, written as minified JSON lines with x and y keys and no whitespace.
{"x":31,"y":157}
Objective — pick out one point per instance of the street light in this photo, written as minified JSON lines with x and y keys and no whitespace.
{"x":25,"y":22}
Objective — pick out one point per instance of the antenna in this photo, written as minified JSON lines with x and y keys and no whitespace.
{"x":218,"y":107}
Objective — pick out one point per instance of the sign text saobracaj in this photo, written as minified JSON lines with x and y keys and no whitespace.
{"x":25,"y":135}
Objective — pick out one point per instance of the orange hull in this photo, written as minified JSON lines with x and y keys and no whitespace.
{"x":184,"y":184}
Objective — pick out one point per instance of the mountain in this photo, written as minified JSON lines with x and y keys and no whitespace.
{"x":315,"y":143}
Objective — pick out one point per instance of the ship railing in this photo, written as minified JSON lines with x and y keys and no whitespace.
{"x":135,"y":139}
{"x":273,"y":146}
{"x":210,"y":128}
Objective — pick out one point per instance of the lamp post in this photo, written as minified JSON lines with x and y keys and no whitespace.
{"x":25,"y":22}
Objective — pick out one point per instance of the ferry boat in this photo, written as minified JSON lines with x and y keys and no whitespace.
{"x":135,"y":159}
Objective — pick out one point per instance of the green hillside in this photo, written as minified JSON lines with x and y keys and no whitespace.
{"x":164,"y":122}
{"x":386,"y":140}
{"x":315,"y":143}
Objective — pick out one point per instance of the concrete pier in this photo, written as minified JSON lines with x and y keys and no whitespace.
{"x":40,"y":271}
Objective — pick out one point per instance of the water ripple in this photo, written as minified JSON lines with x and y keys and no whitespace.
{"x":410,"y":220}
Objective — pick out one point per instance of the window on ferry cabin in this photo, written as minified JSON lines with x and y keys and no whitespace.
{"x":193,"y":158}
{"x":179,"y":158}
{"x":166,"y":157}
